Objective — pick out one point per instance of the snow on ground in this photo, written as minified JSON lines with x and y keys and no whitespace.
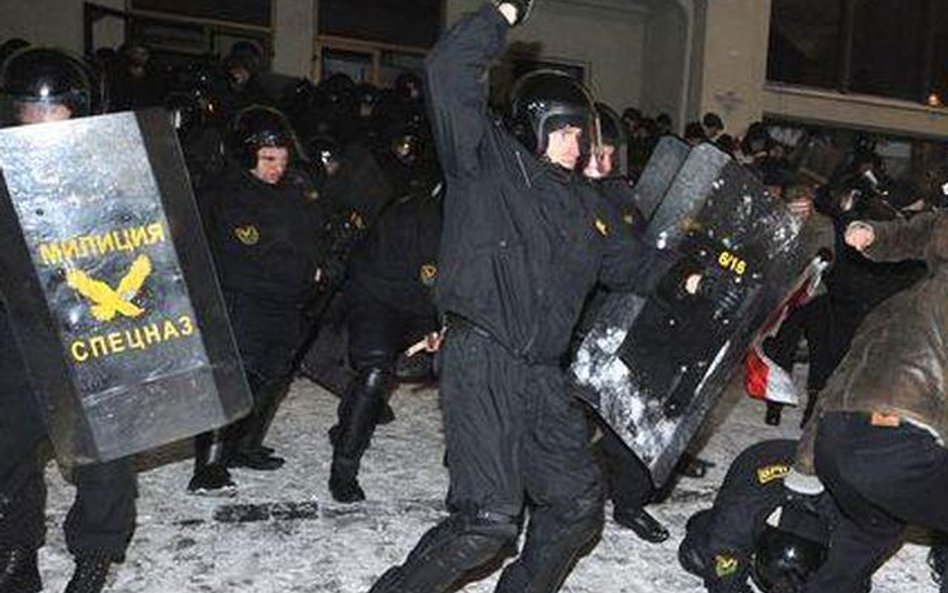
{"x":179,"y":547}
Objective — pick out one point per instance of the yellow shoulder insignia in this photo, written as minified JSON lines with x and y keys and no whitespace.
{"x":248,"y":235}
{"x":724,"y":565}
{"x":602,"y":227}
{"x":772,"y":472}
{"x":428,"y":274}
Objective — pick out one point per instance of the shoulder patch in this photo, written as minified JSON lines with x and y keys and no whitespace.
{"x":602,"y":227}
{"x":725,"y":565}
{"x":248,"y":235}
{"x":428,"y":274}
{"x":769,"y":473}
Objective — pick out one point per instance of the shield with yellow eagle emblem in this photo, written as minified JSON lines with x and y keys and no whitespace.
{"x":110,"y":288}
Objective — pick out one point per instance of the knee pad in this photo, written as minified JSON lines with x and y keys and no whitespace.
{"x":475,"y":537}
{"x":457,"y":545}
{"x":377,"y":378}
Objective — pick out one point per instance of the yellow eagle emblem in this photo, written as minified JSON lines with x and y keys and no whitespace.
{"x":108,"y":302}
{"x":428,"y":274}
{"x":248,"y":235}
{"x":602,"y":227}
{"x":725,"y":565}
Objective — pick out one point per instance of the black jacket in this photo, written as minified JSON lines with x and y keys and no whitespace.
{"x":266,"y":239}
{"x":398,"y":262}
{"x":523,"y":242}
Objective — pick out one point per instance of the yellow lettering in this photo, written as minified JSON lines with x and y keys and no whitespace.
{"x":119,"y":244}
{"x":138,"y":236}
{"x":70,"y":249}
{"x":741,"y":268}
{"x":187,"y":327}
{"x":152,"y":334}
{"x":134,"y":339}
{"x":79,"y":352}
{"x":51,"y":254}
{"x":99,"y":346}
{"x":157,"y":232}
{"x":170,"y":331}
{"x":115,"y":342}
{"x":105,"y":243}
{"x":89,"y":246}
{"x":724,"y":259}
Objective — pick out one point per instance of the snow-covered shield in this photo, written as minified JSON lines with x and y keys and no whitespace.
{"x":653,"y":367}
{"x":110,"y":287}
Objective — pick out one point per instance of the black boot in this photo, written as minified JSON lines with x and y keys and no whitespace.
{"x":90,"y":574}
{"x":18,"y":571}
{"x":245,"y":439}
{"x":210,"y":477}
{"x":358,"y":417}
{"x":343,"y":484}
{"x":642,"y":523}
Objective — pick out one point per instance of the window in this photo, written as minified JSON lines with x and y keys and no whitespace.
{"x":888,"y":48}
{"x":412,"y":23}
{"x":804,"y":42}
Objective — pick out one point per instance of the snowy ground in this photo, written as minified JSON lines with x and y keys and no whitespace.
{"x":180,"y":547}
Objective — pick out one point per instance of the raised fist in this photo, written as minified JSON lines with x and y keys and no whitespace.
{"x":859,"y":236}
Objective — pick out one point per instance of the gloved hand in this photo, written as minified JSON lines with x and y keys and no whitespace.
{"x":523,"y":7}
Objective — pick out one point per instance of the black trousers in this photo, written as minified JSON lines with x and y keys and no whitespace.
{"x":102,"y":517}
{"x":514,"y":433}
{"x":880,"y":479}
{"x":628,"y":481}
{"x":379,"y":331}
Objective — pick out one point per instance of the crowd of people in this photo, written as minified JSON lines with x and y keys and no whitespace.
{"x":425,"y":223}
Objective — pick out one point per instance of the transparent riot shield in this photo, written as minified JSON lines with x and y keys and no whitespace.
{"x":654,"y":366}
{"x":110,"y":287}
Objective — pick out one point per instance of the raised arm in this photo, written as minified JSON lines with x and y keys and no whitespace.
{"x":917,"y":238}
{"x":457,"y":71}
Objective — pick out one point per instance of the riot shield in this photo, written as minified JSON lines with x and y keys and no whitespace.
{"x":110,"y":287}
{"x":653,"y":367}
{"x":662,"y":168}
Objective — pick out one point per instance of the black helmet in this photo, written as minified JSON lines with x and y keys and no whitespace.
{"x":11,"y":46}
{"x":790,"y":550}
{"x":47,"y":76}
{"x":257,"y":127}
{"x":406,"y":141}
{"x":545,"y":101}
{"x":409,"y":86}
{"x":611,"y":128}
{"x":184,"y":110}
{"x":326,"y":151}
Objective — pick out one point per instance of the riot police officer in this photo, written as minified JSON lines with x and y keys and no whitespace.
{"x":524,"y":241}
{"x":391,"y":276}
{"x":743,"y":535}
{"x":628,"y":481}
{"x":264,"y":220}
{"x":43,"y":85}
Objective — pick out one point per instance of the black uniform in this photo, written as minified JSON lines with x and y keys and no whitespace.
{"x":523,"y":244}
{"x":266,"y":243}
{"x":720,"y":542}
{"x":628,"y":481}
{"x":390,"y":308}
{"x":102,"y":517}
